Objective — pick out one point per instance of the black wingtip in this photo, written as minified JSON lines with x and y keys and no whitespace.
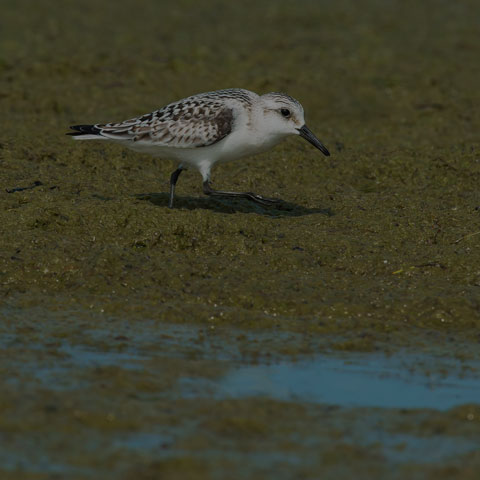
{"x":84,"y":130}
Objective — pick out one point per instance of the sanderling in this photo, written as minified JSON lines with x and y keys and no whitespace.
{"x":207,"y":128}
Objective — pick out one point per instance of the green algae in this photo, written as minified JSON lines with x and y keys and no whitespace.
{"x":374,"y":248}
{"x":383,"y":234}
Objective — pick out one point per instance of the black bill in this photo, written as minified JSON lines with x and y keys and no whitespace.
{"x":308,"y":135}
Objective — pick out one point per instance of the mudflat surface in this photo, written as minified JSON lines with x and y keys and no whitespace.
{"x":139,"y":342}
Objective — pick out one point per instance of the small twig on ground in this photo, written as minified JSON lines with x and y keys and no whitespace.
{"x":466,"y":236}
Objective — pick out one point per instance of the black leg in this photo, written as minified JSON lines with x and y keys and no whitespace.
{"x":173,"y":182}
{"x":208,"y":190}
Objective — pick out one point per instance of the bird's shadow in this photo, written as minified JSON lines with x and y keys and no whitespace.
{"x":228,"y":205}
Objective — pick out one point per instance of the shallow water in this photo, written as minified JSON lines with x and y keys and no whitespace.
{"x":366,"y":381}
{"x":366,"y":401}
{"x":401,"y":380}
{"x":398,"y":448}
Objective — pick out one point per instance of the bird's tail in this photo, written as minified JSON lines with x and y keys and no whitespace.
{"x":86,"y":132}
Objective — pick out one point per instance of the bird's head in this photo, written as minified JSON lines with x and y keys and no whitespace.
{"x":285,"y":116}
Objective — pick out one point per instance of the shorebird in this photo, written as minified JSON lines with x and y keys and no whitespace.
{"x":207,"y":128}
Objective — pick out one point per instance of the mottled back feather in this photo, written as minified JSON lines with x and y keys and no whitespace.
{"x":193,"y":122}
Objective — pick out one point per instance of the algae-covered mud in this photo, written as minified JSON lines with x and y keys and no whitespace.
{"x":142,"y":342}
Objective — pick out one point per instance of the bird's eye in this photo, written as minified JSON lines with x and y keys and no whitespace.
{"x":285,"y":112}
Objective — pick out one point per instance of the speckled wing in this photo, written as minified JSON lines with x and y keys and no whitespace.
{"x":189,"y":123}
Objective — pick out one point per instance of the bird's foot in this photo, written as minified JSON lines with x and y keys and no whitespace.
{"x":208,"y":190}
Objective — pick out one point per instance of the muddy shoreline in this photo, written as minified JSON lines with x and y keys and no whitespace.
{"x":373,"y":251}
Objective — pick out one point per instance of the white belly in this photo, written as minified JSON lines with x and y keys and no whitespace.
{"x":239,"y":144}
